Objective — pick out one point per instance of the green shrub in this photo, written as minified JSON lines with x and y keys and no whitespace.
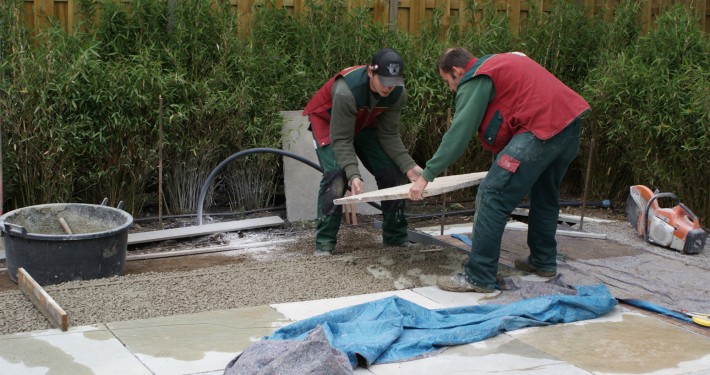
{"x":80,"y":112}
{"x":652,"y":113}
{"x":40,"y":140}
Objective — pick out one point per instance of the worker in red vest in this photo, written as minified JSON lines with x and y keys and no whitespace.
{"x":531,"y":121}
{"x":357,"y":114}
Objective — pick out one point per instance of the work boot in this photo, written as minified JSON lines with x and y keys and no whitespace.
{"x":523,"y":264}
{"x":322,"y":253}
{"x":458,"y":283}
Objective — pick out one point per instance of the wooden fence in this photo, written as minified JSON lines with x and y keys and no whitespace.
{"x":397,"y":14}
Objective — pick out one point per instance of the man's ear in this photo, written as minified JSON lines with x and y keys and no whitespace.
{"x":458,"y":72}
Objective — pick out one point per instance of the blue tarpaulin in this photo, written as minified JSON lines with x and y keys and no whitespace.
{"x":463,"y":238}
{"x":650,"y":306}
{"x":393,"y":329}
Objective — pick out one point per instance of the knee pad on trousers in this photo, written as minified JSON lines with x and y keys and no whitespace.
{"x":334,"y":188}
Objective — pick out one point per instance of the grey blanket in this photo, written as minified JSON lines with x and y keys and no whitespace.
{"x":516,"y":289}
{"x":313,"y":355}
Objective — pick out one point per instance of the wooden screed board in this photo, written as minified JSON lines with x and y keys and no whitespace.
{"x":440,"y":185}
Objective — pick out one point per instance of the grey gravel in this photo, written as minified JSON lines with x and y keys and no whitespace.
{"x":267,"y":276}
{"x":277,"y":275}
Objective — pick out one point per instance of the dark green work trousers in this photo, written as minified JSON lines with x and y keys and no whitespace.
{"x":334,"y":184}
{"x":530,"y":166}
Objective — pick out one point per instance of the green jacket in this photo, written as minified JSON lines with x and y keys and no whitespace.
{"x":343,"y":129}
{"x":472,"y":99}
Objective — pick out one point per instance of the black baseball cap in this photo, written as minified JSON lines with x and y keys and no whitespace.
{"x":388,"y":65}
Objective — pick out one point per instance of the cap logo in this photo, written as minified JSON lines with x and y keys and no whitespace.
{"x":393,"y":69}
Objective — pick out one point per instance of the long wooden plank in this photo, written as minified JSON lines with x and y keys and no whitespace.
{"x":440,"y":185}
{"x":204,"y":250}
{"x":199,"y":230}
{"x":39,"y":297}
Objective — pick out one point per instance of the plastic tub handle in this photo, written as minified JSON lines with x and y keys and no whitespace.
{"x":17,"y":229}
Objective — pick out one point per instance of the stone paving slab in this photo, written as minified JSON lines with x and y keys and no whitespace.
{"x":622,"y":342}
{"x":81,"y":350}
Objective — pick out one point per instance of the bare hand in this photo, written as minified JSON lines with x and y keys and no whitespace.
{"x":357,"y":186}
{"x":414,"y":173}
{"x":415,"y":192}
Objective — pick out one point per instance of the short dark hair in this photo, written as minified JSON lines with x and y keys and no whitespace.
{"x":453,"y":57}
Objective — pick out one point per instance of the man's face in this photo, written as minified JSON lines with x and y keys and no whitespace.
{"x":377,"y":86}
{"x":452,"y":79}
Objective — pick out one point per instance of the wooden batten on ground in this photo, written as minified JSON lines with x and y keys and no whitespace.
{"x":204,"y":250}
{"x":39,"y":297}
{"x":199,"y":230}
{"x":440,"y":185}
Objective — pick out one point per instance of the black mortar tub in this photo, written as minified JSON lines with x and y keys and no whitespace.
{"x":35,"y":240}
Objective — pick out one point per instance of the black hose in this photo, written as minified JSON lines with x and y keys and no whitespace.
{"x":210,"y":178}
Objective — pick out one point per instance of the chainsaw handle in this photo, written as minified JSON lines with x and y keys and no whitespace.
{"x":648,"y":208}
{"x":687,"y":210}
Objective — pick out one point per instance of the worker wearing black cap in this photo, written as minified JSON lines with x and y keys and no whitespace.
{"x":357,"y":114}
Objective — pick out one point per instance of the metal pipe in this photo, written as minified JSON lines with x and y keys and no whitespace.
{"x":586,"y":185}
{"x":225,"y":162}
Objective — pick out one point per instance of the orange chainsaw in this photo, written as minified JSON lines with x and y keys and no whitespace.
{"x":677,"y":227}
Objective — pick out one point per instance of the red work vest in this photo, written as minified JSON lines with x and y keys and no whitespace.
{"x":527,"y":98}
{"x":318,"y":108}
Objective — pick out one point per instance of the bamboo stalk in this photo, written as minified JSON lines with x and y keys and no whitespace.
{"x":160,"y":161}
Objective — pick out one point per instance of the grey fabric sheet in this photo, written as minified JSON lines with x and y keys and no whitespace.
{"x":516,"y":289}
{"x":313,"y":355}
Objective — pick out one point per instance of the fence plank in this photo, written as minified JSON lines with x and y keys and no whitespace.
{"x":514,"y":16}
{"x":413,"y":16}
{"x":646,"y":15}
{"x":43,"y":9}
{"x":445,"y":19}
{"x":463,"y":15}
{"x":701,"y":7}
{"x":378,"y":11}
{"x":392,"y":16}
{"x":298,"y":7}
{"x":244,"y":15}
{"x":71,"y":16}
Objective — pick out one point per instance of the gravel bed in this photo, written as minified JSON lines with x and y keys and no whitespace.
{"x":264,"y":276}
{"x":277,"y":275}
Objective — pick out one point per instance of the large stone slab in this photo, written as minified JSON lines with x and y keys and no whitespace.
{"x":302,"y":181}
{"x":440,"y":185}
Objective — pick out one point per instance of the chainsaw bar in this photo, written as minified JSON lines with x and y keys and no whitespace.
{"x":633,"y":212}
{"x":636,"y":205}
